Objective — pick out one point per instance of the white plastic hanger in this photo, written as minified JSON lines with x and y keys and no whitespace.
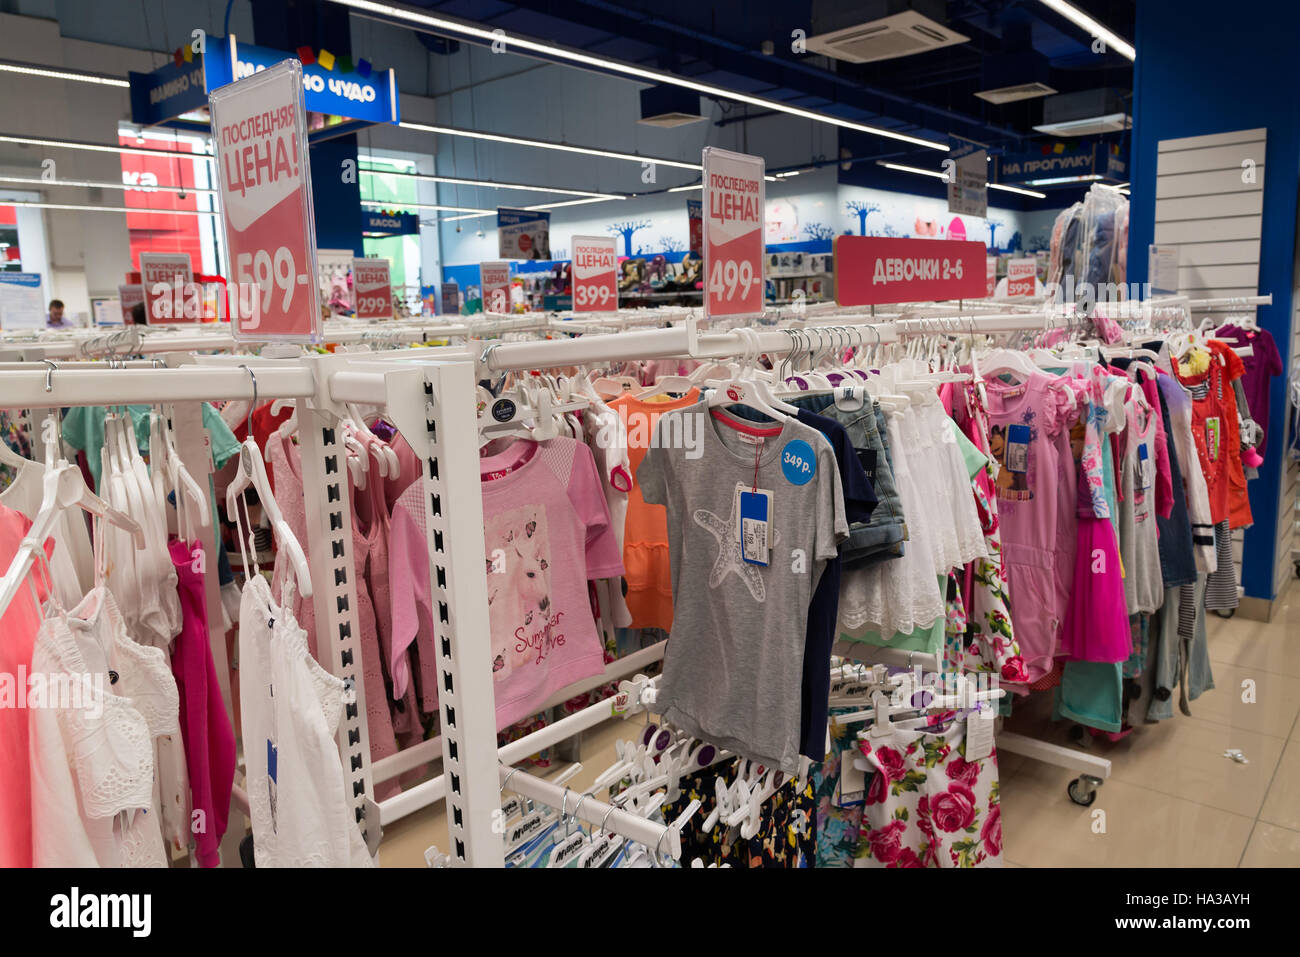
{"x":64,"y":487}
{"x":252,"y":472}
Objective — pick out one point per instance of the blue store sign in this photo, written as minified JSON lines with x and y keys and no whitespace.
{"x":172,"y":90}
{"x":1097,"y":159}
{"x":389,"y":224}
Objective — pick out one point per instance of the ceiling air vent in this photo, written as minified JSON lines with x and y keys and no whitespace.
{"x":1010,"y":94}
{"x":902,"y":34}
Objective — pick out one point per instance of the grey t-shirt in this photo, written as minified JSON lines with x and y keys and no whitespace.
{"x":734,"y":661}
{"x":1139,"y":549}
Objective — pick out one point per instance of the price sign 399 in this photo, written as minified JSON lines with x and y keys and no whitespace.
{"x":260,"y":133}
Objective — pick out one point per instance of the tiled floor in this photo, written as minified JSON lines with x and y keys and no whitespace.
{"x":1173,"y":799}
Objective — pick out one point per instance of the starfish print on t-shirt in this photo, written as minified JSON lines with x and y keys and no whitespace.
{"x":729,"y":555}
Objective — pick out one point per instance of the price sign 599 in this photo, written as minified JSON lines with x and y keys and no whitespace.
{"x":272,"y":272}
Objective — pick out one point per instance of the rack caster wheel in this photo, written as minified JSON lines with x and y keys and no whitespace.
{"x":1083,"y":789}
{"x":1225,"y":614}
{"x":1297,"y":569}
{"x":1078,"y":735}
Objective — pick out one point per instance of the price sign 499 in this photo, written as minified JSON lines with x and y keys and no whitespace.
{"x":729,"y":278}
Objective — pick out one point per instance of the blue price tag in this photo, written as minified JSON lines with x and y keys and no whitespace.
{"x":798,"y":462}
{"x":754,"y":527}
{"x":1017,"y":452}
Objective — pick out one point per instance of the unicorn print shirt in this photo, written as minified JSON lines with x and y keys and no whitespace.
{"x":733,"y":667}
{"x":547,"y":531}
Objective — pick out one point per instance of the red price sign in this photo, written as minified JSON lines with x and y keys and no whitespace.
{"x":260,"y":133}
{"x":991,"y":277}
{"x":733,"y":234}
{"x":1021,"y":277}
{"x":373,"y":288}
{"x":595,"y":273}
{"x":873,"y":269}
{"x":129,"y":296}
{"x":495,"y":280}
{"x":169,"y":291}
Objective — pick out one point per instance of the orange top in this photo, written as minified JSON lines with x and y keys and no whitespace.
{"x":645,"y":532}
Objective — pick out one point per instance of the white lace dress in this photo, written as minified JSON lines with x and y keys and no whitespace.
{"x":902,"y":594}
{"x":91,"y":750}
{"x":297,"y":793}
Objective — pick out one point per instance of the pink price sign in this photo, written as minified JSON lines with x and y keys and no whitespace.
{"x":874,"y":269}
{"x":733,"y":234}
{"x":260,"y":133}
{"x":373,"y":288}
{"x":595,"y":274}
{"x":169,"y":292}
{"x":1021,"y":277}
{"x":495,"y":280}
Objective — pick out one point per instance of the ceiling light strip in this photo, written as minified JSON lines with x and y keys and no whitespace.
{"x":489,"y":184}
{"x":98,"y":147}
{"x":110,"y":209}
{"x":516,"y":43}
{"x":33,"y":69}
{"x":938,"y":175}
{"x":401,"y":204}
{"x":87,"y":184}
{"x":543,"y":144}
{"x":1092,"y":28}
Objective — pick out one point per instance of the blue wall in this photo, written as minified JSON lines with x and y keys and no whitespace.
{"x":1202,"y":69}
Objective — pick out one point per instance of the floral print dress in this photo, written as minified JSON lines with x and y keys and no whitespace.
{"x":926,"y":805}
{"x":988,"y":642}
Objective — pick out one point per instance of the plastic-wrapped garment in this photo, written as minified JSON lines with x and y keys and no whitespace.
{"x":1121,"y":244}
{"x":1070,"y":237}
{"x":1098,"y":235}
{"x":1056,"y":259}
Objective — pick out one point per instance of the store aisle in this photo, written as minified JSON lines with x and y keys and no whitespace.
{"x":1173,"y":799}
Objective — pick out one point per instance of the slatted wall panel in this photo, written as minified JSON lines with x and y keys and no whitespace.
{"x":1208,"y":206}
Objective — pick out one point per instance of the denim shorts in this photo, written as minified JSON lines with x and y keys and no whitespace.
{"x":881,"y":538}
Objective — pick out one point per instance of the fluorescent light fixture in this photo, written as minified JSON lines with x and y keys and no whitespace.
{"x":1092,"y":27}
{"x":111,"y":209}
{"x":1017,"y":189}
{"x":576,"y":202}
{"x":457,"y":181}
{"x":99,"y":147}
{"x":516,"y":44}
{"x":543,"y":144}
{"x":1057,"y":180}
{"x":53,"y":73}
{"x":683,"y":189}
{"x":30,"y":181}
{"x":911,"y":169}
{"x":935,"y":173}
{"x":399,"y":204}
{"x":1088,"y":125}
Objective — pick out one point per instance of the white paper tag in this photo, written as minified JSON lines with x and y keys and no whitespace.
{"x":979,"y":733}
{"x":853,"y":780}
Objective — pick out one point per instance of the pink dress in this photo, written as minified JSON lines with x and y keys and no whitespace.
{"x":1029,"y":436}
{"x":205,"y":726}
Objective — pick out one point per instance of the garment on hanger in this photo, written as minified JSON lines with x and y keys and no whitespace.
{"x":734,"y":659}
{"x":645,"y":546}
{"x":205,"y":726}
{"x":1036,"y":486}
{"x":926,"y":805}
{"x":92,"y":762}
{"x":1260,"y":366}
{"x":290,"y":711}
{"x":19,"y":626}
{"x":547,"y":532}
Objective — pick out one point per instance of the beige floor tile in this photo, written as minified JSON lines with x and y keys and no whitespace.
{"x":1273,"y":711}
{"x":1272,"y":846}
{"x":1143,"y":828}
{"x":1185,"y":759}
{"x":1260,"y":645}
{"x":1282,"y":805}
